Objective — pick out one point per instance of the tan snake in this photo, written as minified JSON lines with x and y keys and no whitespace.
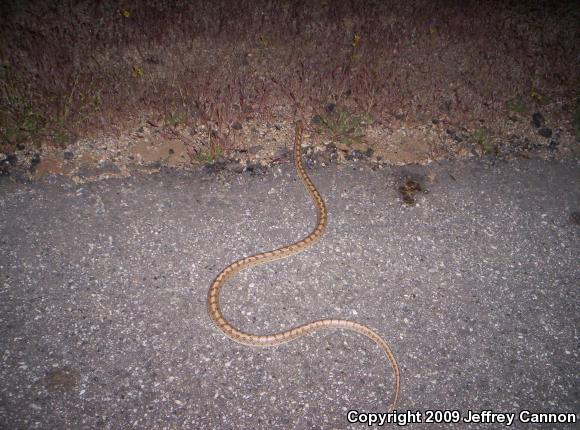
{"x":286,"y":251}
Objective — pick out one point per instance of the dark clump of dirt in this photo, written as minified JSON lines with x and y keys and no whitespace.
{"x":409,"y":188}
{"x":62,"y":379}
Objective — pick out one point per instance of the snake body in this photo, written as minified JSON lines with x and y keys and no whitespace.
{"x":239,"y":336}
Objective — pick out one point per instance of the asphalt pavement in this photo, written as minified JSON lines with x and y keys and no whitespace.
{"x":104,"y":325}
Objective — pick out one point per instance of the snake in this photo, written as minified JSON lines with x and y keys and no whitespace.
{"x":268,"y":340}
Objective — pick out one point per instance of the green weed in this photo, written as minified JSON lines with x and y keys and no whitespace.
{"x":205,"y":157}
{"x":209,"y":156}
{"x":517,"y":105}
{"x":176,"y":118}
{"x":484,"y":141}
{"x":539,"y":97}
{"x":344,"y":127}
{"x":73,"y":108}
{"x":19,"y":121}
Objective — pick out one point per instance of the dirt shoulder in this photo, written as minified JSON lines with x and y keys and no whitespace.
{"x":261,"y":145}
{"x":100,"y":89}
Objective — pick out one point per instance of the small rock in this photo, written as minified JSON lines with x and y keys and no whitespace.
{"x":358,"y":155}
{"x":454,"y":135}
{"x":237,"y":126}
{"x":195,"y":113}
{"x":330,"y":107}
{"x":34,"y":161}
{"x":339,"y":157}
{"x":323,"y":157}
{"x":68,"y":155}
{"x":153,"y":60}
{"x":255,"y":149}
{"x":213,"y":168}
{"x":545,"y":132}
{"x":361,"y":147}
{"x":87,"y":171}
{"x":235,"y":167}
{"x":316,"y":120}
{"x":108,"y":167}
{"x":6,"y":161}
{"x":255,"y":169}
{"x":400,"y":115}
{"x":282,"y":153}
{"x":446,"y":105}
{"x":538,"y":120}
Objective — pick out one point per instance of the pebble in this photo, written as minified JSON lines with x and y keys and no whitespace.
{"x":255,"y":149}
{"x":330,"y":107}
{"x":538,"y":120}
{"x":282,"y":153}
{"x":255,"y":169}
{"x":34,"y":161}
{"x":545,"y":132}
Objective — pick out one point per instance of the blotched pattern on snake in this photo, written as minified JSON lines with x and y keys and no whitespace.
{"x":239,"y":336}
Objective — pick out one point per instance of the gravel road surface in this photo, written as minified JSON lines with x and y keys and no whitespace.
{"x":103,"y":320}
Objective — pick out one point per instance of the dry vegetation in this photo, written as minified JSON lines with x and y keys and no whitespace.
{"x":73,"y":69}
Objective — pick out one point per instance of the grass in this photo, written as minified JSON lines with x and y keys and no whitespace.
{"x":343,"y":127}
{"x":176,"y":118}
{"x":482,"y":138}
{"x":211,"y":153}
{"x":24,"y":121}
{"x":539,"y":97}
{"x":205,"y":157}
{"x":20,"y":124}
{"x":19,"y":120}
{"x":517,"y":105}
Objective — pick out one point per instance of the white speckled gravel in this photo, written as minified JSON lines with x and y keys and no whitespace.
{"x":103,"y":321}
